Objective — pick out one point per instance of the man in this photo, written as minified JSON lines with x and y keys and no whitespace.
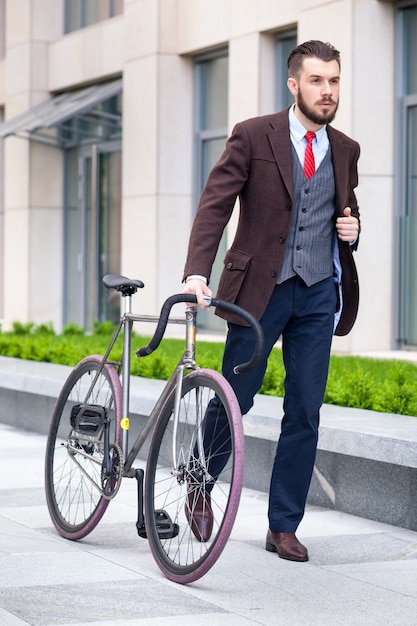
{"x":290,"y":265}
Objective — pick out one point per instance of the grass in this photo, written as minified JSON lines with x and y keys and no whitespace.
{"x":380,"y":385}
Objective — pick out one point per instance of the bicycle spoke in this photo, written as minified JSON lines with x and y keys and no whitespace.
{"x":174,"y":485}
{"x":77,"y":488}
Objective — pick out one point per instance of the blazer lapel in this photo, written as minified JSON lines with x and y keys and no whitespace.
{"x":340,"y":167}
{"x":279,"y":139}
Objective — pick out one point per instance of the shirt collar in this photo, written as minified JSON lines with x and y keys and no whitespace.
{"x":297,"y":130}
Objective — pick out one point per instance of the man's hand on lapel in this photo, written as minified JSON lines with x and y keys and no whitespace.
{"x":348,"y":226}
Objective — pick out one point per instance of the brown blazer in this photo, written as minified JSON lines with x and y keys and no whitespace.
{"x":256,"y":167}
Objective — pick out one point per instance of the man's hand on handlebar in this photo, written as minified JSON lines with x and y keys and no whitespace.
{"x":199,"y":289}
{"x":197,"y":286}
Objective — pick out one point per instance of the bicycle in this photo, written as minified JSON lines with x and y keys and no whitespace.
{"x":88,"y":453}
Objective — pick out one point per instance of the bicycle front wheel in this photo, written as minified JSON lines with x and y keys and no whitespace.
{"x":195,"y":467}
{"x":83,"y":464}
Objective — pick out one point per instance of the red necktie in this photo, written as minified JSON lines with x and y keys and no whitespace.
{"x":309,"y":166}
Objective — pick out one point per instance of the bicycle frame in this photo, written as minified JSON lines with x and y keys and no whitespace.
{"x":186,"y":362}
{"x":88,"y":451}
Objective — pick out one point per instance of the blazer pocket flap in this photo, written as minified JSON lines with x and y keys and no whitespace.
{"x":236,"y":260}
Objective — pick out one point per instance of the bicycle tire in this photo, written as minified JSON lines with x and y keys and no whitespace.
{"x":183,"y":558}
{"x":74,"y":460}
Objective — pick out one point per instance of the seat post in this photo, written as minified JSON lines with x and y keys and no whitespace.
{"x":127,"y":334}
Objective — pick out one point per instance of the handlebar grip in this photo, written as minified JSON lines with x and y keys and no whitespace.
{"x":256,"y":327}
{"x":163,"y":321}
{"x":221,"y":304}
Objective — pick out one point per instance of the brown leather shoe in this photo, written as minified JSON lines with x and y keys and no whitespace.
{"x":199,"y":514}
{"x":286,"y":545}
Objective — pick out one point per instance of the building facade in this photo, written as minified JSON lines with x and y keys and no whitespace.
{"x":112,"y":113}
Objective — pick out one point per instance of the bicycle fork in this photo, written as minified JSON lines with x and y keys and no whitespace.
{"x":188,"y":362}
{"x":179,"y":464}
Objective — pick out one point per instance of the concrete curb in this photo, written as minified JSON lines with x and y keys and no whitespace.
{"x":366,"y":462}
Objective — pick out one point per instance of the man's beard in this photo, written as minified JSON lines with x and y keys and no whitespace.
{"x":325,"y":117}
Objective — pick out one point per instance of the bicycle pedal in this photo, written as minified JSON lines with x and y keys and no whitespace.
{"x":167,"y":529}
{"x":88,"y":418}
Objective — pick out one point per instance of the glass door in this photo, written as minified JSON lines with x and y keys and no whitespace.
{"x":92,"y":232}
{"x":109,"y":231}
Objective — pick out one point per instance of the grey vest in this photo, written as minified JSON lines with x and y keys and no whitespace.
{"x":309,"y":247}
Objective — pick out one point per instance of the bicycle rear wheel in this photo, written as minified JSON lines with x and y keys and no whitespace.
{"x":80,"y":479}
{"x":180,"y":469}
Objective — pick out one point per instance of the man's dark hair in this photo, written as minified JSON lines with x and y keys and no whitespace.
{"x":319,"y":49}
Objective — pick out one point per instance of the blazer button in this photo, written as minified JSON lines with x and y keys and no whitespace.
{"x":229,"y":266}
{"x":274,"y":274}
{"x":282,"y":240}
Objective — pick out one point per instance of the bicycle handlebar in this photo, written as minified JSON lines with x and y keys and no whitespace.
{"x":221,"y":304}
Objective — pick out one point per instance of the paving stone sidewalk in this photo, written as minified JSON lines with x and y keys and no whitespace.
{"x":360,"y":572}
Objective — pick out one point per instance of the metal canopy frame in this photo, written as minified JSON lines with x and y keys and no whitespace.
{"x":41,"y":121}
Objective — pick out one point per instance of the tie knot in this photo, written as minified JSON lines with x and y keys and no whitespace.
{"x":309,"y":136}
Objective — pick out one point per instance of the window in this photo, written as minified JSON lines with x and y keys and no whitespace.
{"x":211,"y":105}
{"x":81,"y":13}
{"x":407,"y":175}
{"x":211,"y":114}
{"x":284,"y":43}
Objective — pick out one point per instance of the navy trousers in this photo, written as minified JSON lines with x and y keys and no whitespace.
{"x":304,"y":317}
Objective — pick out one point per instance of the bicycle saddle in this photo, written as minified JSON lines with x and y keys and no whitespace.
{"x":125,"y":285}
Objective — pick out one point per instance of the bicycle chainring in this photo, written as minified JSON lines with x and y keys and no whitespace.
{"x":111,"y":484}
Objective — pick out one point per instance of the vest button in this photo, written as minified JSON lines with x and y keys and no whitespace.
{"x":298,"y":248}
{"x":304,"y":210}
{"x":306,"y":191}
{"x":301,"y":228}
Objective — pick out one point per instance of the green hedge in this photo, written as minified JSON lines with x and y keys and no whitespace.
{"x":381,"y":385}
